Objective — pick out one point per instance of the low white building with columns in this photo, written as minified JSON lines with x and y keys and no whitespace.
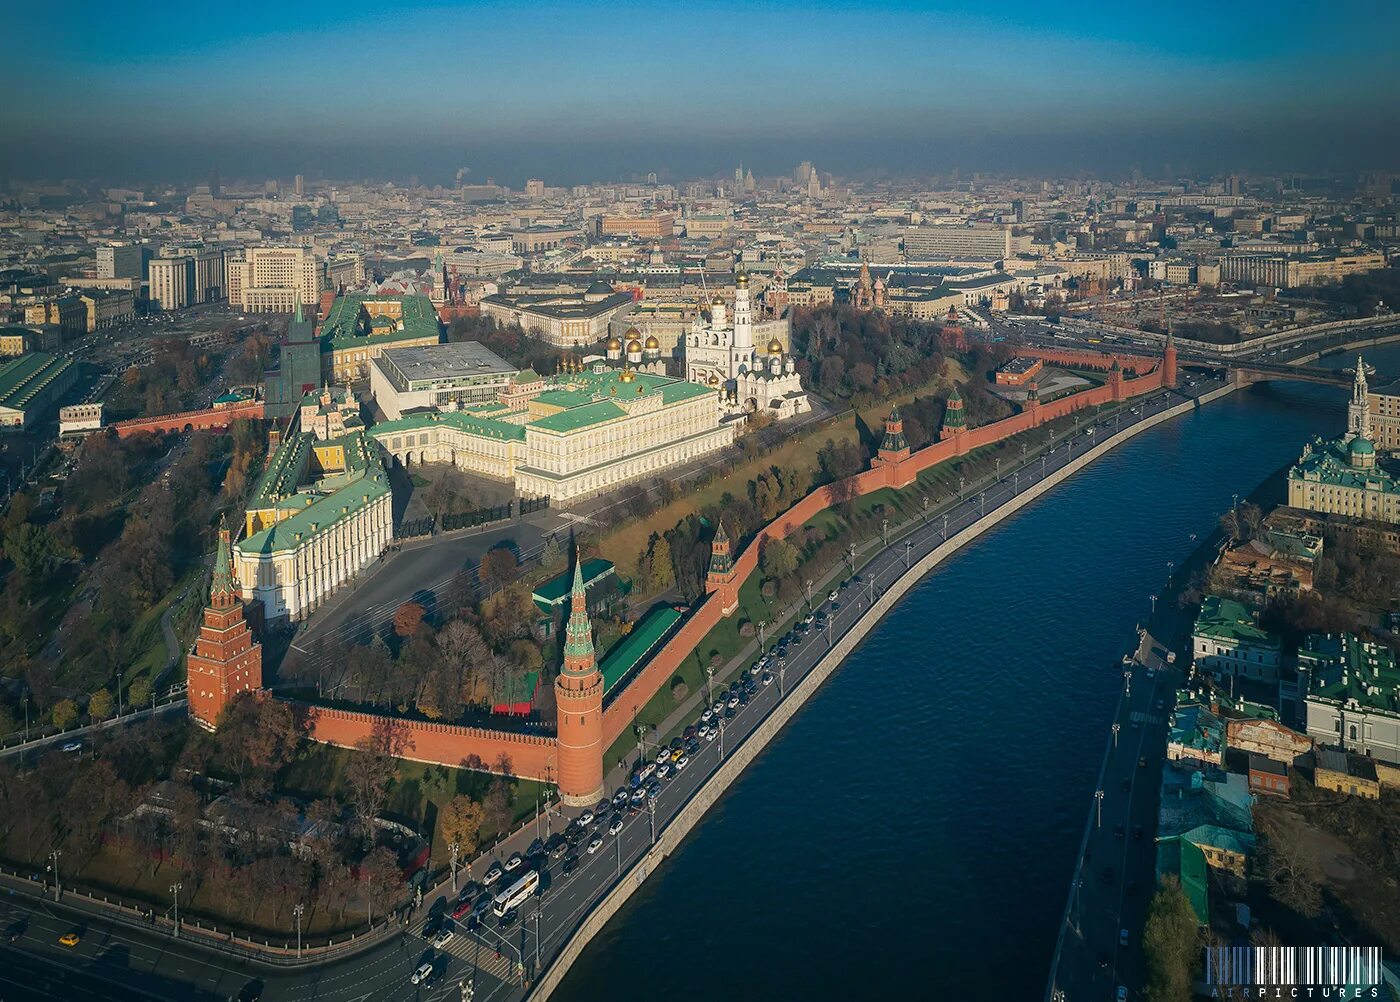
{"x":322,"y":512}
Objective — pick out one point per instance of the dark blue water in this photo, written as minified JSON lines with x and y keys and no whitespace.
{"x":912,"y":832}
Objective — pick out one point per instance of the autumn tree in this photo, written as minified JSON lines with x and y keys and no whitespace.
{"x":407,"y":618}
{"x":460,"y":822}
{"x":100,"y":704}
{"x":371,"y":772}
{"x":381,"y":878}
{"x":64,"y":713}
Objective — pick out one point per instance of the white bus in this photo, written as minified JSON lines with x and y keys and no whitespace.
{"x":516,"y":894}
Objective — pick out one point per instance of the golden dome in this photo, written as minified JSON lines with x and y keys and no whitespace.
{"x":714,"y":379}
{"x":775,"y":347}
{"x":633,"y":346}
{"x":632,"y":333}
{"x":717,"y":302}
{"x":741,"y":279}
{"x":614,"y":344}
{"x":627,"y":375}
{"x":652,"y":343}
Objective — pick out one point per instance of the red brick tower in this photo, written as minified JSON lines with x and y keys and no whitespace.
{"x":1115,"y":382}
{"x":894,"y":450}
{"x":1169,"y":363}
{"x":1033,"y":401}
{"x":578,"y":700}
{"x":226,"y":659}
{"x":719,"y":580}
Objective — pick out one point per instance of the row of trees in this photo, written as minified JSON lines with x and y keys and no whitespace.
{"x":865,"y":356}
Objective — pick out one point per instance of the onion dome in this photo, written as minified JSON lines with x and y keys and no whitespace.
{"x":717,"y":302}
{"x":614,"y":344}
{"x":741,"y":279}
{"x":775,"y":347}
{"x":633,"y":346}
{"x":652,"y":343}
{"x":714,"y":379}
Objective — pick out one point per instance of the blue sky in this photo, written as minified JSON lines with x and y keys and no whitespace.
{"x":571,"y":90}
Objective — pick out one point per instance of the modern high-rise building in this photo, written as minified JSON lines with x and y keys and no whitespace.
{"x":119,"y":261}
{"x":977,"y":240}
{"x":534,"y":188}
{"x":186,"y":276}
{"x":299,"y":185}
{"x":274,"y":279}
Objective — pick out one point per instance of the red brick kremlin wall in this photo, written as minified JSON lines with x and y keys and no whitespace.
{"x":536,"y":757}
{"x":202,"y":420}
{"x":617,"y":718}
{"x":531,"y":756}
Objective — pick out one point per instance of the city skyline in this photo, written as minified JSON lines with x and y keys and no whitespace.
{"x":613,"y":91}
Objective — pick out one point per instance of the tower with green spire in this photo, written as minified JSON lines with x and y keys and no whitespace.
{"x":578,"y":702}
{"x":954,"y":420}
{"x":719,"y":581}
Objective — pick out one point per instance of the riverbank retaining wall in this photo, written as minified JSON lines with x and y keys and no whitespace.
{"x":690,"y":815}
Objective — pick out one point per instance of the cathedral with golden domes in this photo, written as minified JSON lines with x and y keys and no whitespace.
{"x":632,"y":352}
{"x":747,"y":379}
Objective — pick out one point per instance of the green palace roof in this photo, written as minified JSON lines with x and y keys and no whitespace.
{"x":637,"y":646}
{"x":347,"y":322}
{"x":1344,"y":667}
{"x":470,"y":423}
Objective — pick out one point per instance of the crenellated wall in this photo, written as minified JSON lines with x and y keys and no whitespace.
{"x":531,"y":756}
{"x":539,"y":757}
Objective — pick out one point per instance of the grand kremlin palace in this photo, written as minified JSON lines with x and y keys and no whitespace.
{"x":584,"y":433}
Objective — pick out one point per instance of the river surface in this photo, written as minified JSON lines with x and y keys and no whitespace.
{"x":912,"y":832}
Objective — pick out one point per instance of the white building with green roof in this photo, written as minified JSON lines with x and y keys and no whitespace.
{"x":32,"y":384}
{"x":321,"y":513}
{"x":1342,"y":476}
{"x":584,"y":434}
{"x":1228,"y":642}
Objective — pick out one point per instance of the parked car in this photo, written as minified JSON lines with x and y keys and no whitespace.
{"x":73,"y":746}
{"x":536,"y":848}
{"x":682,"y":762}
{"x":1122,"y":937}
{"x":422,"y":974}
{"x":620,"y":797}
{"x":443,"y":937}
{"x":833,"y":595}
{"x":616,"y":824}
{"x":586,"y":818}
{"x":492,"y":874}
{"x":514,"y":861}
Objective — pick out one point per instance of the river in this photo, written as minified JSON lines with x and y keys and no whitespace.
{"x":912,"y":832}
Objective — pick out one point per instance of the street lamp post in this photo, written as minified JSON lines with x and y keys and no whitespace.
{"x":651,"y":809}
{"x":983,"y":499}
{"x":1098,"y":806}
{"x":885,"y":531}
{"x":297,"y":912}
{"x":851,"y":556}
{"x":709,"y":683}
{"x":453,"y":848}
{"x":54,"y":856}
{"x":175,"y":894}
{"x":998,"y":462}
{"x":925,"y":507}
{"x":782,"y":679}
{"x":1128,"y":684}
{"x":808,"y":585}
{"x":961,"y":482}
{"x":1115,"y":734}
{"x":721,"y":738}
{"x":908,"y":547}
{"x":945,"y":527}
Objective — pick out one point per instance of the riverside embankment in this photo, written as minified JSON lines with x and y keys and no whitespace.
{"x":891,"y":580}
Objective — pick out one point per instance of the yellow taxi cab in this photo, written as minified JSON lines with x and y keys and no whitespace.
{"x":69,"y":939}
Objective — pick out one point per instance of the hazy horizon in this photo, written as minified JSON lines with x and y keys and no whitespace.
{"x":605,"y":92}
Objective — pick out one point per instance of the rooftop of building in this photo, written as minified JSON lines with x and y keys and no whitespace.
{"x":1192,"y":798}
{"x":351,"y":320}
{"x":555,"y":592}
{"x":632,"y":650}
{"x":1347,"y":669}
{"x":1327,"y":461}
{"x":1231,"y":621}
{"x":456,"y":360}
{"x":1196,"y":728}
{"x":560,"y":305}
{"x":474,"y":424}
{"x":24,"y":378}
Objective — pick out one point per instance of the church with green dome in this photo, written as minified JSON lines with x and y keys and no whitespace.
{"x":1343,"y":476}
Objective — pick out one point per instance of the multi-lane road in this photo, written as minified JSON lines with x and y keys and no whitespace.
{"x":113,"y":960}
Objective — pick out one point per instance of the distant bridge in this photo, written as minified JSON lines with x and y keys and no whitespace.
{"x":1257,"y":372}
